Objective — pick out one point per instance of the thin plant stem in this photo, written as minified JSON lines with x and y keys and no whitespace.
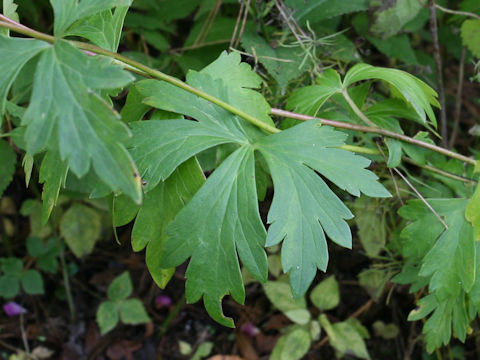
{"x":68,"y":289}
{"x":457,"y":12}
{"x":439,"y":71}
{"x":356,"y":110}
{"x":458,"y":100}
{"x":376,"y":130}
{"x":441,"y":172}
{"x":420,"y":196}
{"x":149,"y":72}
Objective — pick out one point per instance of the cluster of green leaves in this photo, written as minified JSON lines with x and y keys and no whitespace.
{"x":119,"y":308}
{"x":13,"y":276}
{"x":345,"y":337}
{"x":148,"y":162}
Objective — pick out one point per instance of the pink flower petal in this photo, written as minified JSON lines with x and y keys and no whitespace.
{"x":250,"y":329}
{"x":163,"y":301}
{"x":13,"y":309}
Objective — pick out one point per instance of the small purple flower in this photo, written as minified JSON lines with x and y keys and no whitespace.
{"x":163,"y":301}
{"x":13,"y":309}
{"x":250,"y":329}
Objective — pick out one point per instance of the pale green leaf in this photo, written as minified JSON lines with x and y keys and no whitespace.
{"x":471,"y":35}
{"x":326,"y":295}
{"x":159,"y":208}
{"x":280,"y":295}
{"x":7,"y":165}
{"x":15,"y":52}
{"x":66,"y":113}
{"x":241,"y":82}
{"x":80,"y":226}
{"x":472,"y":212}
{"x":282,"y":63}
{"x":370,"y":220}
{"x":68,"y":11}
{"x":102,"y":29}
{"x":107,"y":316}
{"x":10,"y":11}
{"x":415,"y":92}
{"x":133,"y":312}
{"x":53,"y":173}
{"x":227,"y":222}
{"x":345,"y":338}
{"x":390,"y":21}
{"x":299,"y":190}
{"x":309,"y":99}
{"x":121,"y":287}
{"x":292,"y":346}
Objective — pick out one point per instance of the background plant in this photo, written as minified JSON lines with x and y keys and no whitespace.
{"x":106,"y":157}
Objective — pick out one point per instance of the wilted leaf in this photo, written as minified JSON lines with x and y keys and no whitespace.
{"x":80,"y":226}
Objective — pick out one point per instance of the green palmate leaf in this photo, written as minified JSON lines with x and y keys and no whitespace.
{"x":309,"y":100}
{"x":80,"y":226}
{"x":447,"y":313}
{"x":241,"y":81}
{"x":53,"y":173}
{"x":227,"y":222}
{"x":15,"y":53}
{"x":415,"y":92}
{"x":222,"y":220}
{"x":68,"y":11}
{"x":7,"y":165}
{"x":448,"y":261}
{"x":316,"y":10}
{"x":281,"y":62}
{"x":67,"y":114}
{"x":390,"y":21}
{"x":451,"y":260}
{"x":471,"y":35}
{"x":103,"y":29}
{"x":159,"y":208}
{"x":303,"y":206}
{"x":472,"y":212}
